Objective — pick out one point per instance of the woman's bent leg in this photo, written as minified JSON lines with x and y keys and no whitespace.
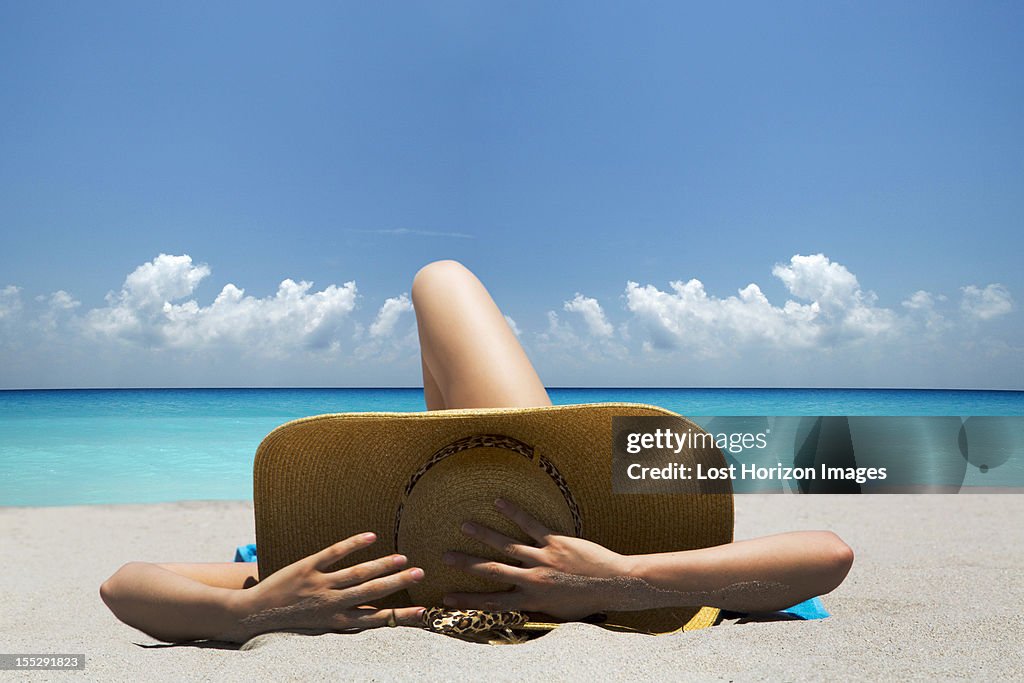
{"x":471,"y":357}
{"x":431,"y":392}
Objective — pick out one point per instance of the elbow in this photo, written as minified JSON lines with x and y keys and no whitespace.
{"x":120,"y":593}
{"x":128,"y":595}
{"x":836,"y":560}
{"x":116,"y":592}
{"x":110,"y":590}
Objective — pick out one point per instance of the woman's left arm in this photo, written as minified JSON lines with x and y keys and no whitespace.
{"x":570,"y":578}
{"x":184,"y":602}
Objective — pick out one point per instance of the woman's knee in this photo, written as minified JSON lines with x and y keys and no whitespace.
{"x":438,"y":276}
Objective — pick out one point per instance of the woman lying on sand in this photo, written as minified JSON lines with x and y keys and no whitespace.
{"x":472,"y":359}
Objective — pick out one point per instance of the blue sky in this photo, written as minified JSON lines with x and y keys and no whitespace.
{"x":862,"y":161}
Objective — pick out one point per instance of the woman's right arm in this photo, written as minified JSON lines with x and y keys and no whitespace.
{"x":756,"y":575}
{"x":570,"y":578}
{"x":178,"y":607}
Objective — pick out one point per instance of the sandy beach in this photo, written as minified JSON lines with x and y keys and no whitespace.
{"x":935,"y":592}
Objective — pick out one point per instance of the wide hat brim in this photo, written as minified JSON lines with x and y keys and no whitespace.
{"x":322,"y":479}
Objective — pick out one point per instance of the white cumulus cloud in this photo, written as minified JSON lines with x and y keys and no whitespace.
{"x":816,"y":278}
{"x":835,"y":310}
{"x":593,"y":315}
{"x":825,"y":329}
{"x":389,"y":314}
{"x":688,"y":316}
{"x":920,"y":301}
{"x":924,"y":306}
{"x":61,"y":301}
{"x":387,"y":340}
{"x":567,"y":346}
{"x":145,"y":312}
{"x":986,"y":303}
{"x":163,"y":279}
{"x":558,"y":333}
{"x":57,"y":308}
{"x":10,"y":301}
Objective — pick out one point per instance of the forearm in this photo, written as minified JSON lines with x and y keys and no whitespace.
{"x":758,"y":575}
{"x":175,"y":608}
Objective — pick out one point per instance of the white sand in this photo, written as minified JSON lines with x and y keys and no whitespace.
{"x":936,"y":591}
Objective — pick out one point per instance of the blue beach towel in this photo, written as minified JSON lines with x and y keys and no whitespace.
{"x":245,"y":553}
{"x":806,"y":610}
{"x":802,"y":611}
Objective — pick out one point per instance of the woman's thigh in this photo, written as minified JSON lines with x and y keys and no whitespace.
{"x":470,"y":354}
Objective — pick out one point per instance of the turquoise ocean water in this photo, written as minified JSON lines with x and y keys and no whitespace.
{"x":147,"y":445}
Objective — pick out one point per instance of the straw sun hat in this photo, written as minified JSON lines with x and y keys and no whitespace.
{"x":414,"y":478}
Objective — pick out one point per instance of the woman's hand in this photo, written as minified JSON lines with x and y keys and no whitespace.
{"x":562,"y":576}
{"x":304,"y":595}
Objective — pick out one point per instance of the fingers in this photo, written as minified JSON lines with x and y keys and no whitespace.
{"x":523,"y":520}
{"x":360,"y":573}
{"x":375,"y":618}
{"x":495,"y":602}
{"x":334,"y":553}
{"x":502,"y":543}
{"x":375,"y":589}
{"x":495,"y":571}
